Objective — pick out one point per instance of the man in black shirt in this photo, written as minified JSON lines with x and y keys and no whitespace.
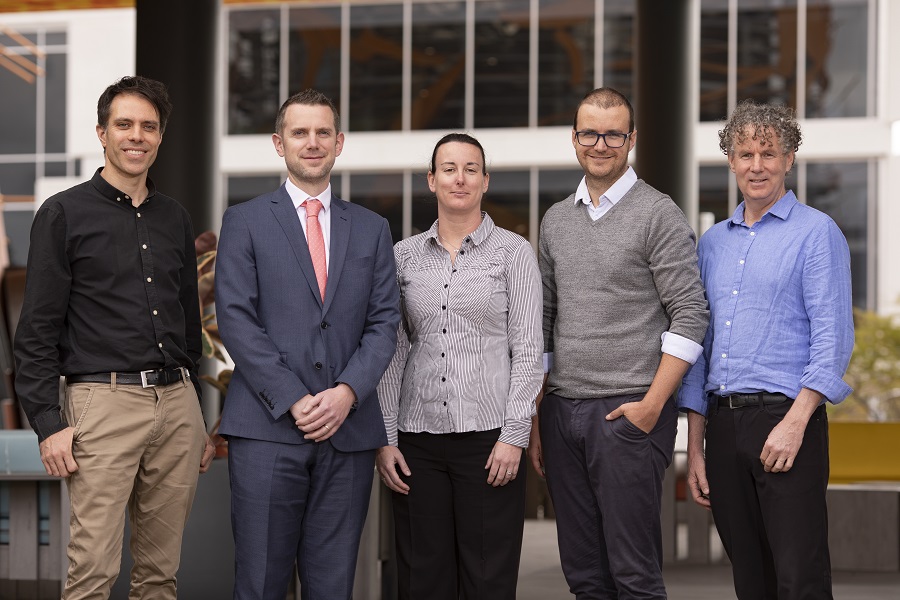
{"x":111,"y":304}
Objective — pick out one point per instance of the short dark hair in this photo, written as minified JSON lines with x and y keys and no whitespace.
{"x":463,"y":138}
{"x":605,"y":97}
{"x":153,"y":91}
{"x":308,"y":97}
{"x":764,"y":120}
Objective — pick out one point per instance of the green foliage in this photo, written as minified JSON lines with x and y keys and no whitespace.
{"x":874,"y":372}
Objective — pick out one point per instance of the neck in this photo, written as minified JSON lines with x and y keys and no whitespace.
{"x":135,"y":187}
{"x":755,"y":210}
{"x":597,"y":186}
{"x":313,"y":188}
{"x":453,"y":228}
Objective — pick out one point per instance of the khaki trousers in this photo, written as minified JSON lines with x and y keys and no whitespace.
{"x":140,"y":448}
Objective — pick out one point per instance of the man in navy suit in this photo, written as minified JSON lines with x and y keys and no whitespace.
{"x":308,"y":308}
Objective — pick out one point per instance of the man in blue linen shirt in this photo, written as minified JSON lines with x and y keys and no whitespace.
{"x":777,"y":276}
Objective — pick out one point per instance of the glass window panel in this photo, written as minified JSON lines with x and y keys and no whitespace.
{"x":9,"y":42}
{"x":713,"y":191}
{"x":253,"y":70}
{"x":618,"y":46}
{"x":55,"y":99}
{"x":376,"y":68}
{"x":841,"y":191}
{"x":18,"y":98}
{"x":767,"y":51}
{"x":555,"y":186}
{"x":55,"y":38}
{"x":424,"y":204}
{"x":243,"y":188}
{"x":501,"y":63}
{"x":44,"y":491}
{"x":17,"y":179}
{"x":55,"y":169}
{"x":382,"y":193}
{"x":18,"y":232}
{"x":565,"y":58}
{"x":438,"y":65}
{"x":713,"y":60}
{"x":836,"y":58}
{"x":4,"y":513}
{"x":315,"y":51}
{"x":507,"y":200}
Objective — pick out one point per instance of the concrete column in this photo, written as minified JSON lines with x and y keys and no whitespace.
{"x":176,"y":44}
{"x":665,"y":98}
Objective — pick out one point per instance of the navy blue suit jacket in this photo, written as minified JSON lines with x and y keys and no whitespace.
{"x":284,"y":340}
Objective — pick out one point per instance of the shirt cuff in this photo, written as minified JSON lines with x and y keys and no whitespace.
{"x":681,"y":347}
{"x":48,"y":423}
{"x":833,"y":388}
{"x":692,"y":398}
{"x":548,"y":362}
{"x":516,"y":433}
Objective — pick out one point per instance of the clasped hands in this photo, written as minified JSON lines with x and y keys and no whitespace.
{"x":320,"y":416}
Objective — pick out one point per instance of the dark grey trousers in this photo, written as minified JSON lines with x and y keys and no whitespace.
{"x":605,"y":480}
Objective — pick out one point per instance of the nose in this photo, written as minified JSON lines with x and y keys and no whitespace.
{"x":756,"y":163}
{"x":460,"y":177}
{"x":136,"y":133}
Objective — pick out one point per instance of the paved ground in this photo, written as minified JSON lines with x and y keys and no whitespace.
{"x":540,"y":576}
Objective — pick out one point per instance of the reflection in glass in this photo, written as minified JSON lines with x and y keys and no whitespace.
{"x":438,"y":65}
{"x":507,"y":200}
{"x":841,"y":191}
{"x":55,"y":100}
{"x":253,"y":70}
{"x":501,"y":63}
{"x":18,"y":98}
{"x":767,"y":52}
{"x":376,"y":68}
{"x":618,"y":46}
{"x":555,"y":186}
{"x":314,"y":51}
{"x":382,"y":193}
{"x":713,"y":60}
{"x":836,"y":58}
{"x":713,"y":191}
{"x":243,"y":188}
{"x":565,"y":58}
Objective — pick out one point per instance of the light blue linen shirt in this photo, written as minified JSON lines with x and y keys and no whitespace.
{"x":781,"y":315}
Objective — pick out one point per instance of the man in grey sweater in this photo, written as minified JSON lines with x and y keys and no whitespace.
{"x":624,"y":318}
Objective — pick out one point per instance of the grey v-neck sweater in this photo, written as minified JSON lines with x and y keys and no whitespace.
{"x":612,"y":287}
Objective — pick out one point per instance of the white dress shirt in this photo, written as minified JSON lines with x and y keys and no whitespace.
{"x":298,"y":197}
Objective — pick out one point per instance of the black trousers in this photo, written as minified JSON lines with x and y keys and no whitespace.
{"x":605,"y":480}
{"x":774,"y":526}
{"x":457,"y":536}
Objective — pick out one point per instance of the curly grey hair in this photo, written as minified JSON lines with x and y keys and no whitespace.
{"x":766,"y":122}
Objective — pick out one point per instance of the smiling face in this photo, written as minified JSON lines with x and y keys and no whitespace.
{"x":458,"y":179}
{"x":760,"y":167}
{"x":603,"y":165}
{"x":130,"y":139}
{"x":309,"y":144}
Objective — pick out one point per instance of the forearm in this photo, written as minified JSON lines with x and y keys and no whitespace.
{"x":669,"y":374}
{"x":696,"y":434}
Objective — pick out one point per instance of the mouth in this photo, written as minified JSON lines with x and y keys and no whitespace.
{"x":135,"y":152}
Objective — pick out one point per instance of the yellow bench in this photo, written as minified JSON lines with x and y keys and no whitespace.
{"x":864,"y":452}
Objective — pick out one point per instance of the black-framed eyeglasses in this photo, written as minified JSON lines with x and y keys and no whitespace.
{"x":612,"y":140}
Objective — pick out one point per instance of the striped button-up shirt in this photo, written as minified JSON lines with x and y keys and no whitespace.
{"x":470,"y":341}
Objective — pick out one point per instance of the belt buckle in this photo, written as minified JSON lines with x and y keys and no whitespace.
{"x":731,"y":403}
{"x":144,"y":379}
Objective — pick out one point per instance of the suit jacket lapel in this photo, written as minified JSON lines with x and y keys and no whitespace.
{"x":286,"y":215}
{"x":340,"y":239}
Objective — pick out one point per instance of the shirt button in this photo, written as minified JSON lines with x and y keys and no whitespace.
{"x":445,"y":286}
{"x":752,"y":233}
{"x":734,"y":292}
{"x":118,"y":199}
{"x":468,"y":239}
{"x":442,"y":355}
{"x":454,"y":270}
{"x":724,"y":355}
{"x":444,"y":307}
{"x":722,"y":387}
{"x":742,"y":262}
{"x":445,"y":404}
{"x":139,"y":215}
{"x":324,"y":325}
{"x":160,"y":344}
{"x":728,"y":322}
{"x":443,"y":379}
{"x":462,"y":251}
{"x":144,"y":246}
{"x":149,"y":279}
{"x":444,"y":331}
{"x":318,"y":365}
{"x":155,"y":312}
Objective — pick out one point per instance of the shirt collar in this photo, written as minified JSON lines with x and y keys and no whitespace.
{"x":615,"y":192}
{"x":110,"y":192}
{"x":479,"y":235}
{"x":781,"y":209}
{"x":298,"y":196}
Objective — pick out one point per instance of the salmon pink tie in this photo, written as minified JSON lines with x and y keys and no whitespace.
{"x":316,"y":242}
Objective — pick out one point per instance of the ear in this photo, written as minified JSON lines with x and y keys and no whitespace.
{"x":791,"y":159}
{"x":101,"y":135}
{"x":632,"y":140}
{"x":431,"y":181}
{"x":339,"y":144}
{"x":484,"y":186}
{"x":279,"y":144}
{"x":730,"y":161}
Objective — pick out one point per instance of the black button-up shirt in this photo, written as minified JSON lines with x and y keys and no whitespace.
{"x":109,"y":287}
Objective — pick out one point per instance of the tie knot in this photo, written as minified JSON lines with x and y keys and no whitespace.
{"x":313,"y":206}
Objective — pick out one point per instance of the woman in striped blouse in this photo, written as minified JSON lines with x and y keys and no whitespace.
{"x":459,"y":394}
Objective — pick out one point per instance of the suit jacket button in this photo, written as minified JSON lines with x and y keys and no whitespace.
{"x":318,"y":365}
{"x":324,"y":325}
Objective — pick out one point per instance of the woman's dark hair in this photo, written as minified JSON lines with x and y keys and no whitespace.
{"x":463,"y":138}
